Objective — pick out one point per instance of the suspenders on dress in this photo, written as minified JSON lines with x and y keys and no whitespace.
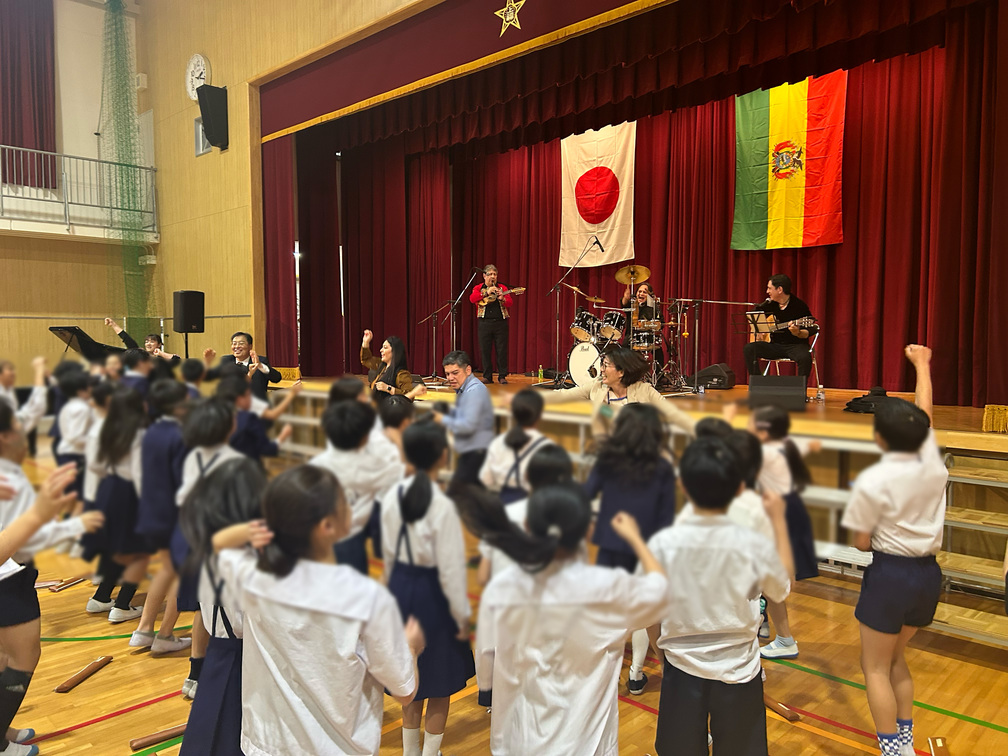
{"x":218,"y":609}
{"x":518,"y":461}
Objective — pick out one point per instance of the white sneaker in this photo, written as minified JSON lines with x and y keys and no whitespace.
{"x":96,"y":579}
{"x":63,"y":547}
{"x":117,"y":615}
{"x":98,"y":607}
{"x":18,"y":749}
{"x":141,"y":639}
{"x":22,"y":736}
{"x":77,"y":551}
{"x":162,"y":646}
{"x":907,"y":749}
{"x":189,"y":688}
{"x":764,"y":630}
{"x":777,"y":650}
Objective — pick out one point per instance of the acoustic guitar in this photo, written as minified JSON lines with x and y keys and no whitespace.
{"x":773,"y":326}
{"x":493,"y":297}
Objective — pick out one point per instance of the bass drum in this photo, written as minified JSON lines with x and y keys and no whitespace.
{"x":583,"y":358}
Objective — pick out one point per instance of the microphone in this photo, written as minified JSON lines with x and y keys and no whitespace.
{"x":601,"y":248}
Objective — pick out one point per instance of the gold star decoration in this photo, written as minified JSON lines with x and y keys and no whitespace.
{"x":509,"y":15}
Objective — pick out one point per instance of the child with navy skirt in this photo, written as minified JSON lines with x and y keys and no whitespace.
{"x":207,"y":427}
{"x":634,"y":474}
{"x":249,"y":436}
{"x":229,"y":495}
{"x":504,"y":469}
{"x":162,"y":456}
{"x":897,"y":511}
{"x":123,"y":552}
{"x":425,"y":567}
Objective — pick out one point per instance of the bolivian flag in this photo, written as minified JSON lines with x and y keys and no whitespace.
{"x":789,"y":163}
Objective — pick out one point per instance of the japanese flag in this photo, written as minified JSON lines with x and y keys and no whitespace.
{"x":598,"y":182}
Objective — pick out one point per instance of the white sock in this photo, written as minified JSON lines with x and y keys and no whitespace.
{"x":639,"y":642}
{"x":411,"y":742}
{"x":432,"y":744}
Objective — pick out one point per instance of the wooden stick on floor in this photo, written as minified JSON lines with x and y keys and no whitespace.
{"x":158,"y":737}
{"x":84,"y":674}
{"x":46,"y":584}
{"x":776,"y":706}
{"x":938,"y":746}
{"x":63,"y":585}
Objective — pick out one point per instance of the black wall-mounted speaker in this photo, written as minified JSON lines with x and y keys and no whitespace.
{"x":214,"y":112}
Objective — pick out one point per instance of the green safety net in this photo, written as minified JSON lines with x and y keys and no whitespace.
{"x":129,"y":191}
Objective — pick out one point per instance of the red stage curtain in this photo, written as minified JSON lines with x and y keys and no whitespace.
{"x":430,"y":259}
{"x":28,"y":87}
{"x":323,"y":327}
{"x":507,"y":212}
{"x":278,"y":252}
{"x":684,"y":53}
{"x":374,"y":208}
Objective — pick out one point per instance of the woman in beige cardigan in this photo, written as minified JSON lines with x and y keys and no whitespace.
{"x":393,"y":377}
{"x":619,"y":384}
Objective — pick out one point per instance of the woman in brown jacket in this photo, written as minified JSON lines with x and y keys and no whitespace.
{"x":393,"y":377}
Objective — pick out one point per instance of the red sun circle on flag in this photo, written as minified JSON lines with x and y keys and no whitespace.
{"x":596,"y":194}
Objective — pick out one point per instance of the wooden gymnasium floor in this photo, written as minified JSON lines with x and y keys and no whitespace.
{"x":960,"y":685}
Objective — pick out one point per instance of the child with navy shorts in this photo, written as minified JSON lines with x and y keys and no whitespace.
{"x":634,"y":474}
{"x":508,"y":455}
{"x":425,"y":567}
{"x":162,"y":456}
{"x":20,"y":628}
{"x":711,"y":677}
{"x":365,"y":471}
{"x":228,"y":496}
{"x":321,"y":641}
{"x":897,"y":511}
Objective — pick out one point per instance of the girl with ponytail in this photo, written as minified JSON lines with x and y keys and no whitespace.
{"x":784,"y":472}
{"x":507,"y":459}
{"x":321,"y":641}
{"x":550,"y":636}
{"x":230,"y":495}
{"x":425,"y":568}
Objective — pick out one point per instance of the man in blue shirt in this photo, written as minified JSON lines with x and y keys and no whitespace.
{"x":471,"y":420}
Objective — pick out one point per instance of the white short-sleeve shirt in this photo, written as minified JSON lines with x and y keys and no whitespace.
{"x":900,"y":500}
{"x":719,"y":570}
{"x":320,"y":645}
{"x":550,"y":645}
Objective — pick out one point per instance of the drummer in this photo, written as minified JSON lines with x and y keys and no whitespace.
{"x":647,"y":310}
{"x":647,"y":304}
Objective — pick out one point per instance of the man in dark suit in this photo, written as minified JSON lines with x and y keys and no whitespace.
{"x":260,"y":373}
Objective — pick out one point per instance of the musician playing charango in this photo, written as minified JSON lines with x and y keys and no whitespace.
{"x":790,"y":343}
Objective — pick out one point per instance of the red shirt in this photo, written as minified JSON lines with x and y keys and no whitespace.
{"x":506,"y":300}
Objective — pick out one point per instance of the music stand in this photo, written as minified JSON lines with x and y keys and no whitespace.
{"x":756,"y":322}
{"x":84,"y":345}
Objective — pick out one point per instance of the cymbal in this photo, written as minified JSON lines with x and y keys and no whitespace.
{"x":576,"y":289}
{"x":631,"y":274}
{"x":595,"y":300}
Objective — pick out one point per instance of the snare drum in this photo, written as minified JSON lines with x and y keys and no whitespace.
{"x":613,"y":325}
{"x":649,"y":325}
{"x":585,"y":326}
{"x":645,"y":341}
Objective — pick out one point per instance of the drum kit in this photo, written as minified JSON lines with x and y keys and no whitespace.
{"x":652,"y":338}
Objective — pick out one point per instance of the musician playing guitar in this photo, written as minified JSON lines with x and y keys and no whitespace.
{"x":492,"y":302}
{"x":790,"y":342}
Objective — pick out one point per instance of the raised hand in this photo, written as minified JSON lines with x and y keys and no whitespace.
{"x":918,"y":355}
{"x":626,"y":527}
{"x":259,"y":534}
{"x":368,"y":336}
{"x":773,"y":505}
{"x":208,"y":355}
{"x":51,"y":499}
{"x":92,"y":520}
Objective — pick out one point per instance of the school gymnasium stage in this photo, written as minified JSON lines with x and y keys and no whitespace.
{"x":960,"y":662}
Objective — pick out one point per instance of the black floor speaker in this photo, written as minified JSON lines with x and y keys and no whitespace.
{"x":718,"y":376}
{"x":187,"y":311}
{"x":786,"y":391}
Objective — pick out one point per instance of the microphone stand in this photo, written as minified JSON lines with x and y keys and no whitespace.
{"x":433,"y":377}
{"x":451,"y":312}
{"x":561,"y":378}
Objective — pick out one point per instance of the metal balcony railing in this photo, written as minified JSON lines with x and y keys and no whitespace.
{"x":50,"y":187}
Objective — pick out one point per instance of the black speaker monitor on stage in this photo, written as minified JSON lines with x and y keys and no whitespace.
{"x":187,"y":311}
{"x":214,"y":112}
{"x":786,"y":391}
{"x":718,"y":376}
